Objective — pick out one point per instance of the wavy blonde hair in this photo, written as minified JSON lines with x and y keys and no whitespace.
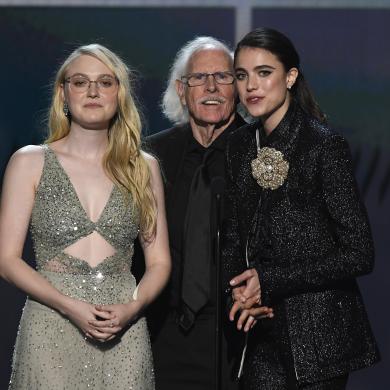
{"x":123,"y":161}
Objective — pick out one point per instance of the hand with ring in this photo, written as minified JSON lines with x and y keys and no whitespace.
{"x":248,"y":318}
{"x":82,"y":313}
{"x":120,"y":316}
{"x":246,"y":286}
{"x":246,"y":296}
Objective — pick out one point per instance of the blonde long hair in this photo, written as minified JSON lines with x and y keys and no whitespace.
{"x":123,"y":160}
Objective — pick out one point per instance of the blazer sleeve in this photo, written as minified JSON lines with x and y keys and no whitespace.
{"x":353,"y":253}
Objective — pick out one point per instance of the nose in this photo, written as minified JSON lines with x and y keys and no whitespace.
{"x":252,"y":83}
{"x":93,"y":89}
{"x":211,"y":84}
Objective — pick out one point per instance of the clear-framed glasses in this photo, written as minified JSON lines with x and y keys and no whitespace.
{"x":196,"y":79}
{"x":105,"y":83}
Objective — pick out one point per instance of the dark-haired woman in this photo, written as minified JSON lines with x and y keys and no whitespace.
{"x":296,"y":216}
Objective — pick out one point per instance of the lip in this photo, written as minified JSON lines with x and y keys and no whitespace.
{"x":254,"y":99}
{"x":211,"y":101}
{"x":92,"y":105}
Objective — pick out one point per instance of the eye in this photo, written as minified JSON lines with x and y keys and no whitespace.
{"x":220,"y":75}
{"x":264,"y":73}
{"x":106,"y":83}
{"x":197,"y":76}
{"x":79,"y":82}
{"x":240,"y":76}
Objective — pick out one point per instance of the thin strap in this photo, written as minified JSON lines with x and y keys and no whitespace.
{"x":47,"y":150}
{"x":52,"y":157}
{"x":49,"y":156}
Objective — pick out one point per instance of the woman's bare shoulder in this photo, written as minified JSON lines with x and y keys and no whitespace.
{"x":30,"y":153}
{"x":28,"y":159}
{"x":151,"y":160}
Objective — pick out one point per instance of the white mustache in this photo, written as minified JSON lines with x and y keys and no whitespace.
{"x":211,"y":99}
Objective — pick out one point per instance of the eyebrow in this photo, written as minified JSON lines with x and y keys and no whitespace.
{"x":217,"y":71}
{"x":258,"y":67}
{"x":84,"y":75}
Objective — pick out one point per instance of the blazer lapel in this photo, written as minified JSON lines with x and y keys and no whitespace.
{"x":251,"y":192}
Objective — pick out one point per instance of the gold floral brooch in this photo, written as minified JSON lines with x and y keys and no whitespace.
{"x":269,"y":168}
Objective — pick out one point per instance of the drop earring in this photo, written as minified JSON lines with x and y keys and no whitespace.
{"x":66,"y":109}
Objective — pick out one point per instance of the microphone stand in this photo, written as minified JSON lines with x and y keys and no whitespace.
{"x":217,"y":188}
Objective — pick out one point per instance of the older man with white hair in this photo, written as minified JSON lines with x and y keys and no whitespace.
{"x":200,"y":101}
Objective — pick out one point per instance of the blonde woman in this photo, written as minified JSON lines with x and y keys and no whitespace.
{"x":87,"y":193}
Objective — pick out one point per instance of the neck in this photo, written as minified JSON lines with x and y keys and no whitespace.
{"x":87,"y":144}
{"x":205,"y":134}
{"x":271,"y":121}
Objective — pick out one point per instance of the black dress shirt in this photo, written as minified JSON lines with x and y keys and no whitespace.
{"x":193,"y":157}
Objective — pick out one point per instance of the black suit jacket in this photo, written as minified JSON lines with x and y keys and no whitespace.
{"x":308,"y":239}
{"x":169,"y":147}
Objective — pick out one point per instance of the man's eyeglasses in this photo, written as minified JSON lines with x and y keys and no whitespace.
{"x":79,"y":84}
{"x":196,"y":79}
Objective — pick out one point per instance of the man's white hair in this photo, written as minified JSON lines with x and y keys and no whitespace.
{"x":171,"y":105}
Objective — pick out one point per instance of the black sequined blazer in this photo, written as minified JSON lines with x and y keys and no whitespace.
{"x":308,"y":240}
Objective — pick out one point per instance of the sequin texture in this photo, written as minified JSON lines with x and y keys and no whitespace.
{"x":50,"y":352}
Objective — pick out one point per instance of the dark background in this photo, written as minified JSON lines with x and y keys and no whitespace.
{"x":345,"y":55}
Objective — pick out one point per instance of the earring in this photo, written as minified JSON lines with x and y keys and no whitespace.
{"x":66,"y":109}
{"x":289,"y":86}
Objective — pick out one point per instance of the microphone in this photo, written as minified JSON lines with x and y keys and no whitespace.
{"x":217,"y":189}
{"x":217,"y":186}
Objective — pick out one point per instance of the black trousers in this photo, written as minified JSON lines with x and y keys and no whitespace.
{"x":185,"y":361}
{"x":266,"y":375}
{"x":338,"y":383}
{"x":268,"y":365}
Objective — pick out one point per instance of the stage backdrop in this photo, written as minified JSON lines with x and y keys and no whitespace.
{"x":346,"y":58}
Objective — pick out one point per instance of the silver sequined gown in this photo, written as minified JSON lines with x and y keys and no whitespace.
{"x":50,"y":352}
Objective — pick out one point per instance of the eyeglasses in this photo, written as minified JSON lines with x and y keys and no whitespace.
{"x":196,"y":79}
{"x":80,"y":84}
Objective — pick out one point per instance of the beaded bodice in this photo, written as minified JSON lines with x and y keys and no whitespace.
{"x":58,"y":220}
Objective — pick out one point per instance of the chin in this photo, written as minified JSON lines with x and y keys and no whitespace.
{"x":256,"y":112}
{"x":94,"y":125}
{"x":216,"y":118}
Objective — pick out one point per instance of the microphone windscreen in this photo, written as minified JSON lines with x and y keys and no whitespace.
{"x":217,"y":185}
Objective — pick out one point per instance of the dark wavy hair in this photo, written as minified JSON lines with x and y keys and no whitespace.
{"x":279,"y":45}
